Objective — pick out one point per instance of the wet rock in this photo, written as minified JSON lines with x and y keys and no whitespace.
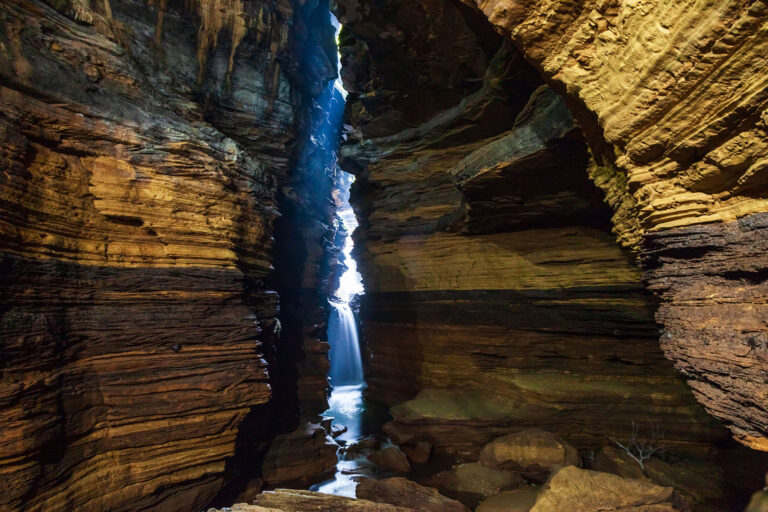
{"x":517,"y":500}
{"x":361,"y":448}
{"x":473,"y":482}
{"x":391,"y":458}
{"x":337,"y":430}
{"x":405,"y":493}
{"x":533,"y":453}
{"x":581,"y":490}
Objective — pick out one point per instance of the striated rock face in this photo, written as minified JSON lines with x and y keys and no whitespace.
{"x":485,"y":241}
{"x":141,"y":152}
{"x":673,"y":99}
{"x":496,"y":296}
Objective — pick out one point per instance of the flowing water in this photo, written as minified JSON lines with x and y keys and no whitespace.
{"x":346,"y":404}
{"x":346,"y":363}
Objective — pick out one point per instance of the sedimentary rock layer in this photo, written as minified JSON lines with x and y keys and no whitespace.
{"x":494,"y":286}
{"x":675,"y":103}
{"x":142,"y":149}
{"x":672,"y":105}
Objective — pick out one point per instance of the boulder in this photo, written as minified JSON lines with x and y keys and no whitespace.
{"x":391,"y":458}
{"x":337,"y":430}
{"x":613,"y":460}
{"x":521,"y":499}
{"x":473,"y":482}
{"x":405,"y":493}
{"x":418,"y":453}
{"x":244,"y":507}
{"x":580,"y":490}
{"x":533,"y":453}
{"x":303,"y":453}
{"x":701,"y":482}
{"x":289,"y":500}
{"x":361,"y":448}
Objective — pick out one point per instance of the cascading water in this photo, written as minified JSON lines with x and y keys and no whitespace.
{"x":346,"y":363}
{"x":346,"y":403}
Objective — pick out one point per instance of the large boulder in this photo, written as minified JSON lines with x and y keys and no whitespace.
{"x":405,"y":493}
{"x":392,"y":459}
{"x":521,"y":499}
{"x":473,"y":482}
{"x":290,"y":500}
{"x":579,"y":490}
{"x":419,"y":452}
{"x":701,"y":482}
{"x":533,"y":453}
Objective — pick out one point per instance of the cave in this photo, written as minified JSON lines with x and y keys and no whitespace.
{"x":387,"y":256}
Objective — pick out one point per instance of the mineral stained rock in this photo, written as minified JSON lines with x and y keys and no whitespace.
{"x":141,"y":151}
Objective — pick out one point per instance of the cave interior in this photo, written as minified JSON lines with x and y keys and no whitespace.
{"x":383,"y":256}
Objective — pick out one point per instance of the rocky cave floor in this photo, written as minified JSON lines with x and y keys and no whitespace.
{"x":526,"y":471}
{"x":563,"y":234}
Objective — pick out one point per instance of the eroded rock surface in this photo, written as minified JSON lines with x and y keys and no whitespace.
{"x":496,"y":296}
{"x":141,"y":152}
{"x":675,"y":108}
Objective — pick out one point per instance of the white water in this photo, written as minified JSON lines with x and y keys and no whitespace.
{"x":345,"y":404}
{"x":346,"y":363}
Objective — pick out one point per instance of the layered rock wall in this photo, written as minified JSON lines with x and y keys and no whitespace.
{"x":142,"y":151}
{"x":674,"y":97}
{"x":496,"y":296}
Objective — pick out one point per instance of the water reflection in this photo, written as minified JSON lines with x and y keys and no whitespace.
{"x":346,"y":406}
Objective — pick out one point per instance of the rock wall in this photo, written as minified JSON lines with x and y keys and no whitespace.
{"x":143,"y":148}
{"x":677,"y":94}
{"x":496,"y":295}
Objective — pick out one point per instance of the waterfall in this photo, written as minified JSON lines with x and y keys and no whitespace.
{"x":346,"y":363}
